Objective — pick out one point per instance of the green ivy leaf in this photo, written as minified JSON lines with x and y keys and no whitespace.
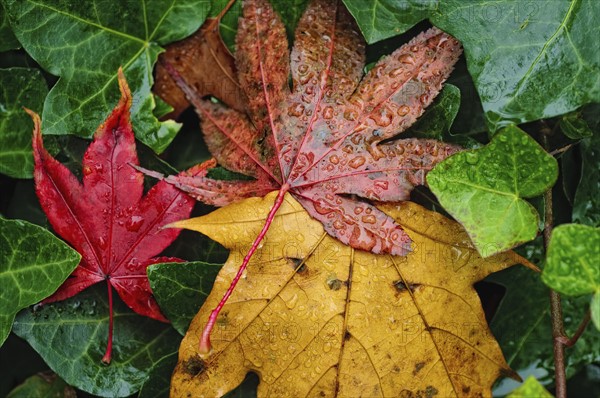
{"x":439,"y":117}
{"x":381,"y":19}
{"x":181,"y":288}
{"x":529,"y":60}
{"x":8,"y":41}
{"x":43,"y":385}
{"x":572,"y":264}
{"x":530,"y":388}
{"x":574,"y":127}
{"x":158,"y":383}
{"x":71,"y":337}
{"x":586,"y":206}
{"x":33,"y":264}
{"x":484,"y":189}
{"x":19,"y":87}
{"x":595,"y":310}
{"x":522,"y":322}
{"x":85,"y":43}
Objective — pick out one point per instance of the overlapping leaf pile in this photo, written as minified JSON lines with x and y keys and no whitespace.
{"x":328,"y":138}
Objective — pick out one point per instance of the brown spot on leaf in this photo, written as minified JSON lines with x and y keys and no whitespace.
{"x":418,"y":367}
{"x":402,"y":287}
{"x":347,"y":335}
{"x":194,"y":366}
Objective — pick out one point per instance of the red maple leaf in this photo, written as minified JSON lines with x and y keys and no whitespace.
{"x":326,"y":141}
{"x":116,"y":230}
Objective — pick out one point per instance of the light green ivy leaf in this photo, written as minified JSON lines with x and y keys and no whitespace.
{"x":572,"y":263}
{"x":531,"y":388}
{"x":19,"y":87}
{"x":33,"y":264}
{"x":86,"y":42}
{"x":181,"y":288}
{"x":484,"y":189}
{"x":71,"y":337}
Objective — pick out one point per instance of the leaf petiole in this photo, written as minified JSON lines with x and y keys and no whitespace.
{"x":205,"y":346}
{"x":108,"y":354}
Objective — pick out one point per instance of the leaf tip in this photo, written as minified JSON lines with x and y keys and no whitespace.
{"x":124,"y":88}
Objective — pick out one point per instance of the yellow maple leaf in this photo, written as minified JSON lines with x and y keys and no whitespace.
{"x":314,"y":317}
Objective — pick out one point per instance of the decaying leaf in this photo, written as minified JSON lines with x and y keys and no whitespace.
{"x":207,"y":65}
{"x":106,"y":218}
{"x":326,"y":141}
{"x":315,"y":317}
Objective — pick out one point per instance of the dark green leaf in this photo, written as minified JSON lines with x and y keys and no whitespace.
{"x":181,"y":288}
{"x":574,"y":127}
{"x":33,"y":264}
{"x":529,"y":60}
{"x":43,"y":385}
{"x":381,"y":19}
{"x":439,"y":116}
{"x":19,"y":87}
{"x":484,"y":189}
{"x":159,"y":380}
{"x":523,"y":328}
{"x":531,"y":388}
{"x":8,"y":41}
{"x":586,"y":206}
{"x":71,"y":336}
{"x":85,"y":43}
{"x":595,"y":310}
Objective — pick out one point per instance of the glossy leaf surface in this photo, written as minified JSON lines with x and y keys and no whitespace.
{"x":88,"y":43}
{"x":484,"y":189}
{"x":33,"y":264}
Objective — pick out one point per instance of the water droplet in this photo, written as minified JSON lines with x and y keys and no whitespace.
{"x":414,"y":49}
{"x":328,"y":112}
{"x":350,"y":115}
{"x":291,"y":303}
{"x":423,"y":99}
{"x":337,"y":224}
{"x":322,"y":208}
{"x":396,"y":72}
{"x":503,"y":137}
{"x":296,"y":109}
{"x":302,"y":69}
{"x":99,"y":168}
{"x":358,"y":210}
{"x":134,"y":223}
{"x":102,"y":242}
{"x":472,"y":158}
{"x":403,"y":110}
{"x":407,"y":59}
{"x":348,"y":149}
{"x":369,"y":219}
{"x":382,"y":185}
{"x":334,"y":159}
{"x":357,"y":162}
{"x":87,"y":170}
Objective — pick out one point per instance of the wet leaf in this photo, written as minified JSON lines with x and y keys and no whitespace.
{"x":586,"y":206}
{"x":181,"y":288}
{"x":381,"y":19}
{"x":19,"y":87}
{"x":529,"y":389}
{"x":484,"y":189}
{"x":328,"y":140}
{"x":574,"y":126}
{"x":438,"y":119}
{"x":307,"y":316}
{"x":33,"y":264}
{"x":522,"y":322}
{"x":85,"y":43}
{"x":43,"y":385}
{"x":572,"y":264}
{"x":520,"y":54}
{"x":76,"y":329}
{"x":106,"y":218}
{"x":8,"y":41}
